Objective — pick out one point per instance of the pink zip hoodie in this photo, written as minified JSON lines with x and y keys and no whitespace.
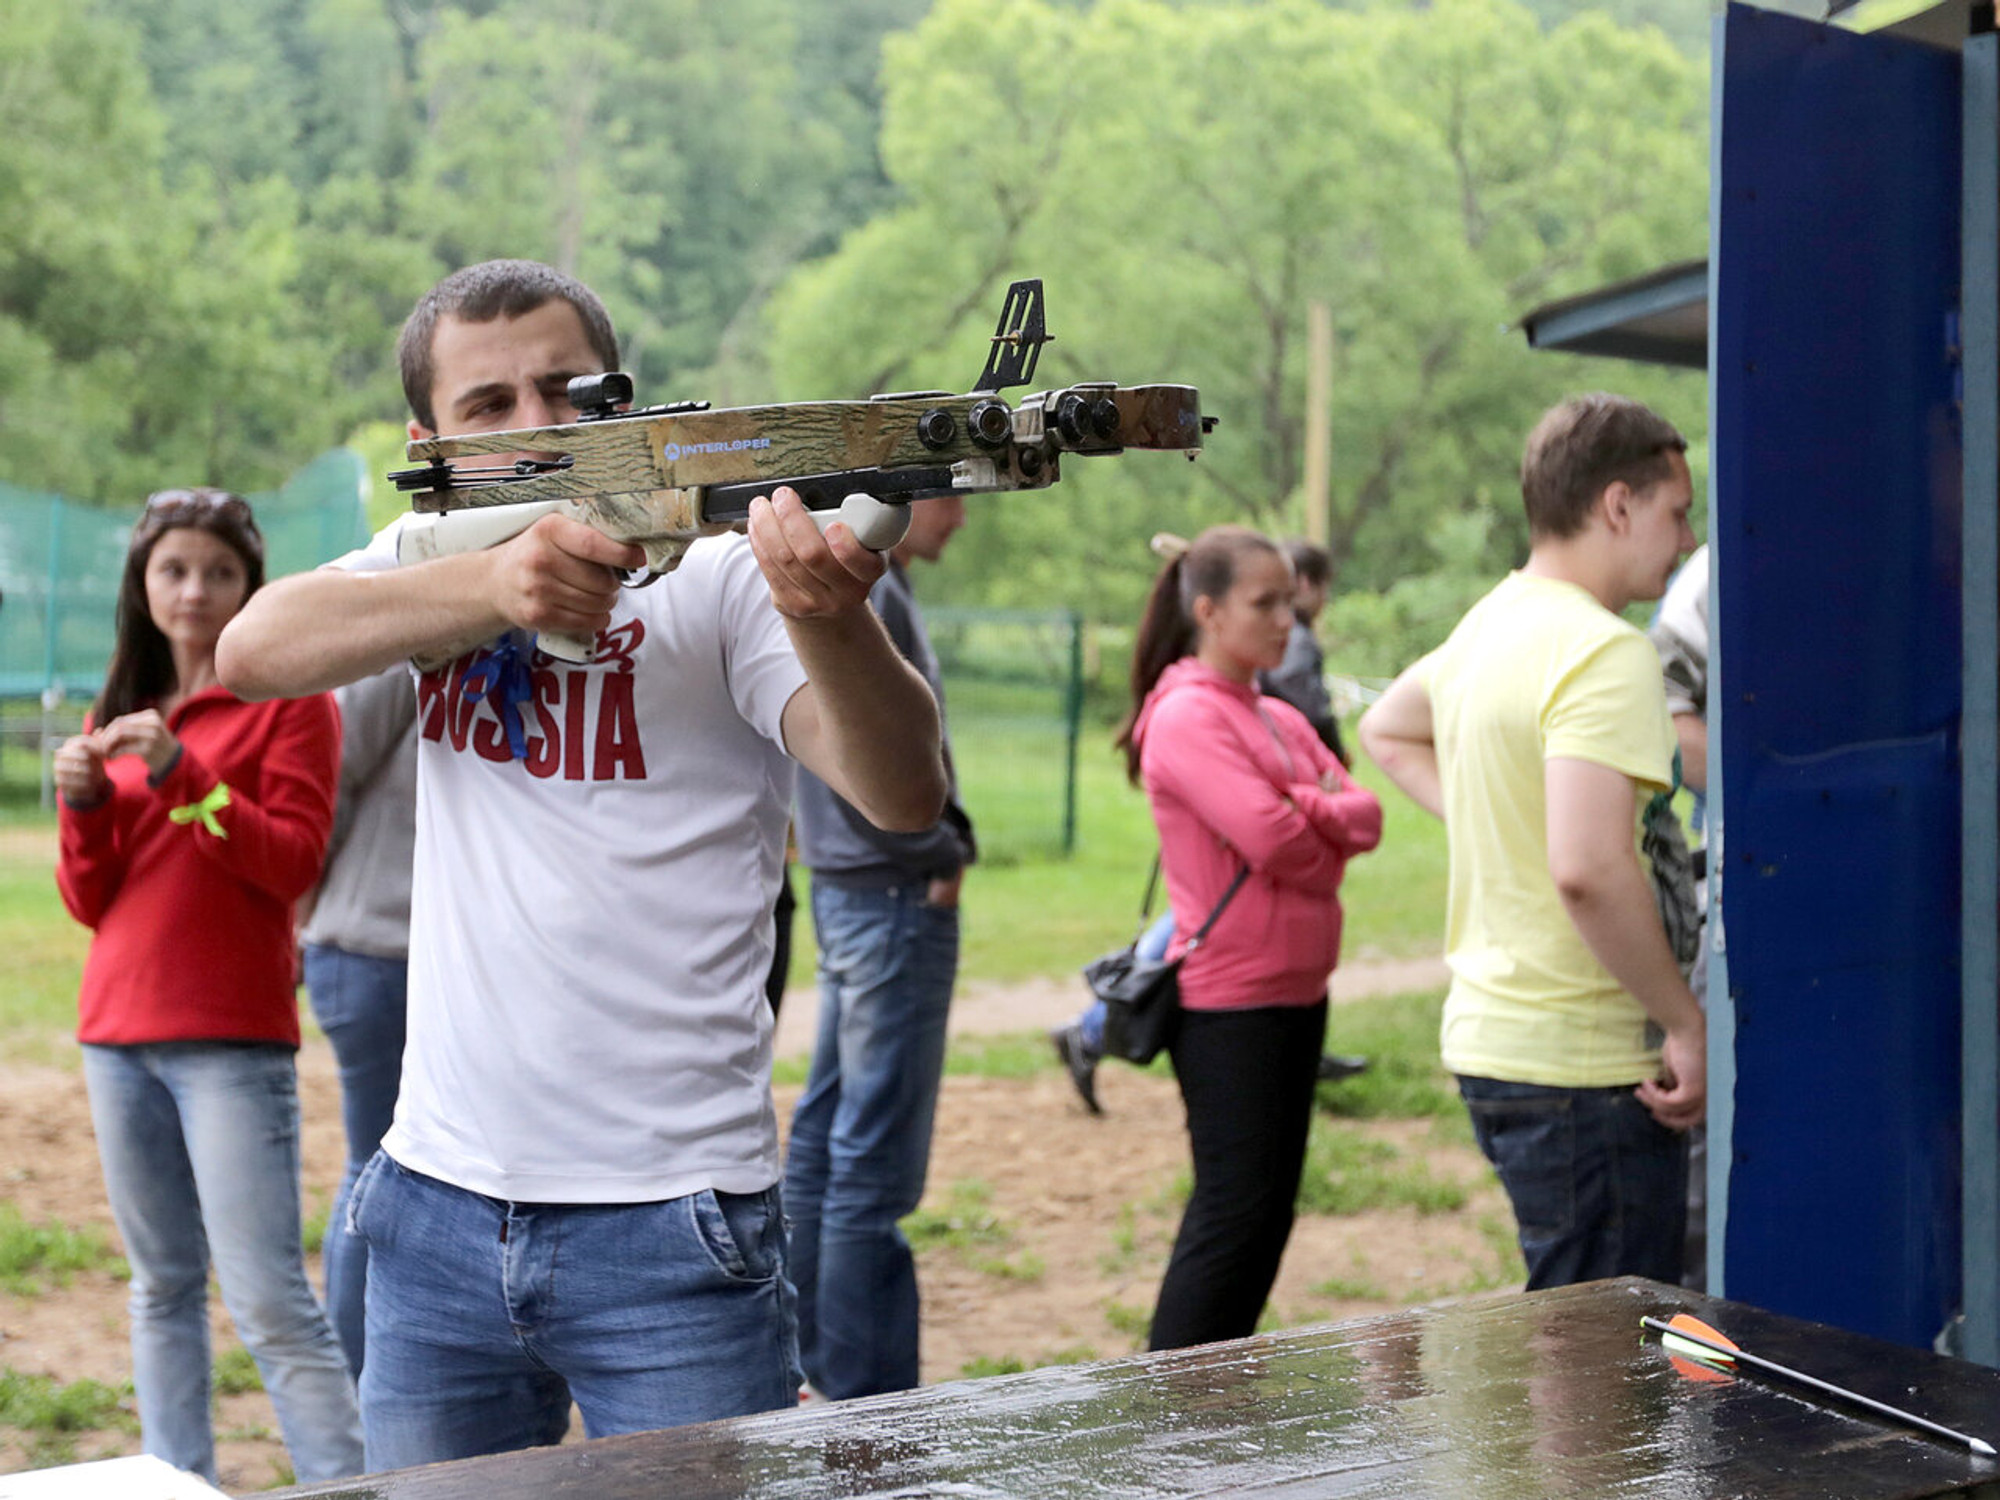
{"x":1233,"y":778}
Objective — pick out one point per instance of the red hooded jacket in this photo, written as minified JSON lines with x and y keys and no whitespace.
{"x":194,"y":926}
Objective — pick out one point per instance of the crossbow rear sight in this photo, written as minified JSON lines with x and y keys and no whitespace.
{"x":597,"y":397}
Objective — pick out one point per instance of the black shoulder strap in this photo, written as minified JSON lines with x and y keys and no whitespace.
{"x":1227,"y":896}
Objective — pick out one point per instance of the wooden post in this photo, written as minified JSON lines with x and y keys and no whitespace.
{"x":1319,"y":422}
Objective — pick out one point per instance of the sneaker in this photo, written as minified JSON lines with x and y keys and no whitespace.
{"x":1333,"y":1068}
{"x":1081,"y":1061}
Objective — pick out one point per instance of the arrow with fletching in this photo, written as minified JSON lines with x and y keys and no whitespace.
{"x":1686,"y":1337}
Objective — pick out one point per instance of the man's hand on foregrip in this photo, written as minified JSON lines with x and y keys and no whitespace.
{"x":811,"y":575}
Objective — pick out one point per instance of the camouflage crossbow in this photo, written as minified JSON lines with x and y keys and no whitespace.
{"x":663,"y":476}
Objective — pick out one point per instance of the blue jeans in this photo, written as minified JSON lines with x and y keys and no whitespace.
{"x":1599,"y":1187}
{"x":359,"y":1001}
{"x":199,"y":1143}
{"x":861,"y":1136}
{"x":485,"y":1318}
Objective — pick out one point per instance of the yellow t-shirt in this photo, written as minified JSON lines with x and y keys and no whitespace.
{"x":1538,"y":668}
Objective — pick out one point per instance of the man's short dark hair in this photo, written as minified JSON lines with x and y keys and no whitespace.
{"x":1311,"y":563}
{"x":479,"y":294}
{"x":1585,"y":444}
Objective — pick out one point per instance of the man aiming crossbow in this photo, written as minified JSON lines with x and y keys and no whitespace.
{"x":578,"y":1198}
{"x":597,"y":850}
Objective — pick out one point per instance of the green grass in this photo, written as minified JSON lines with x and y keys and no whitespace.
{"x":966,"y":1225}
{"x":34,"y":1257}
{"x":983,"y":1365}
{"x":1133,"y":1322}
{"x":312,"y":1229}
{"x":235,"y":1373}
{"x":1019,"y":1055}
{"x":51,"y":1415}
{"x":1351,"y":1289}
{"x":1398,"y":1034}
{"x":1349,"y":1173}
{"x":44,"y":948}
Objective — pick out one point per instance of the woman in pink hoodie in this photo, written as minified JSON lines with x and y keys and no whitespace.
{"x":1236,"y":779}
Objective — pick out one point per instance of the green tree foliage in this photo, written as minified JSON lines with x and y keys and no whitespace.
{"x":214,"y":213}
{"x":1187,"y":180}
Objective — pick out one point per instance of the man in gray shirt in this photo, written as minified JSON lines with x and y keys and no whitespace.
{"x":885,"y":911}
{"x":1300,"y":679}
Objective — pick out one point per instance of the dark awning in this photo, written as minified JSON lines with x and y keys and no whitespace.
{"x":1659,"y":318}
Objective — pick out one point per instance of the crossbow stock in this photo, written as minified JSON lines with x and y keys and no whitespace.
{"x":664,"y":476}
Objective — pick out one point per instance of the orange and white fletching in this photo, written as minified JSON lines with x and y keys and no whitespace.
{"x":1687,"y":1323}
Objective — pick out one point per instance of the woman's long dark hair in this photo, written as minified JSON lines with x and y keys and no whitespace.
{"x":1202,"y":569}
{"x":142,"y":664}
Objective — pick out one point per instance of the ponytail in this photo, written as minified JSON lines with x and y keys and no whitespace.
{"x":1166,"y":634}
{"x":1203,"y":569}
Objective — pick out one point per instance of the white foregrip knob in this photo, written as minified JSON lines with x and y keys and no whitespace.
{"x":564,"y":647}
{"x":876,"y":524}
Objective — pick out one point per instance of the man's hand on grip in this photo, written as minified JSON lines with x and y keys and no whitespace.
{"x":562,"y":576}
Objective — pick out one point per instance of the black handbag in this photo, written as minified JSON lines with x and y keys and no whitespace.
{"x":1142,"y":996}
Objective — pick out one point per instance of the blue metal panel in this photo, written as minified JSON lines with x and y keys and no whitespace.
{"x":1836,"y":535}
{"x":1979,"y":326}
{"x":1721,"y":1010}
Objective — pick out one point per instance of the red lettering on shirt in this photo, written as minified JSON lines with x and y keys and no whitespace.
{"x":489,"y":738}
{"x":573,"y":705}
{"x":584,"y":735}
{"x":614,"y":646}
{"x":618,"y":750}
{"x":545,"y":749}
{"x":431,"y":702}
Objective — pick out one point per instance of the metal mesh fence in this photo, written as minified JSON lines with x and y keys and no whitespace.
{"x":60,"y":562}
{"x":59,"y":568}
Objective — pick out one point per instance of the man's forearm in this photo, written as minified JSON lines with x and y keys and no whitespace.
{"x":1691,"y":732}
{"x":1399,"y":734}
{"x":875,"y":735}
{"x":1412,"y":765}
{"x":320,"y":630}
{"x":1614,"y":911}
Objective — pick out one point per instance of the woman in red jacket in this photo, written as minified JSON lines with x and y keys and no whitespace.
{"x":191,"y":822}
{"x":1236,"y":779}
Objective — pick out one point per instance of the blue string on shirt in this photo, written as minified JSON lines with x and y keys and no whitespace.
{"x":500,"y":675}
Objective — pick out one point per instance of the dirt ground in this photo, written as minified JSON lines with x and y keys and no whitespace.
{"x":1070,"y":1220}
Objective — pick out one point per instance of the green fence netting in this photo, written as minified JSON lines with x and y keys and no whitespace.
{"x":60,"y":561}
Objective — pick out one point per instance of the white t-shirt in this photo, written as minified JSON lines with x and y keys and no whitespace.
{"x":591,"y":926}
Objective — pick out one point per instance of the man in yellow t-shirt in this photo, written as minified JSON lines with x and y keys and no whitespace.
{"x":1538,"y":731}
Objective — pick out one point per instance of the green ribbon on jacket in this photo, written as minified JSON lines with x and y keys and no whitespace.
{"x":204,"y":811}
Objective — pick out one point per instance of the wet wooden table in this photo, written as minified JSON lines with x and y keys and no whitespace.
{"x":1536,"y":1396}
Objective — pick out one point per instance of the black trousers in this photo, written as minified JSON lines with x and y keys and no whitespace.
{"x":1247,"y":1079}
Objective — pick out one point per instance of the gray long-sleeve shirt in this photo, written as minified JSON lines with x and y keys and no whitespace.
{"x":363,"y":902}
